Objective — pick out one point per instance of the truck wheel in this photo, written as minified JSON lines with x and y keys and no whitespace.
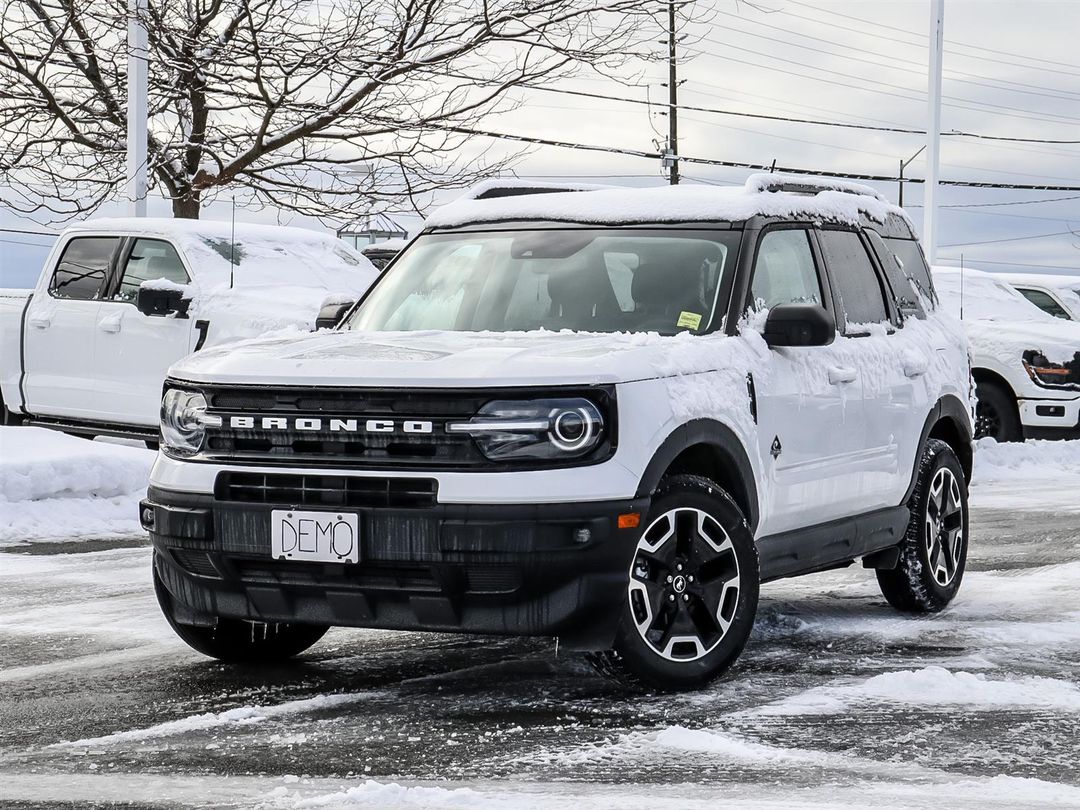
{"x":237,"y":641}
{"x":933,"y":554}
{"x":996,"y":416}
{"x":692,"y":590}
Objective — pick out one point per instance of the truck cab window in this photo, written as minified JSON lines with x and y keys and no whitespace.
{"x":80,"y":274}
{"x":150,"y":259}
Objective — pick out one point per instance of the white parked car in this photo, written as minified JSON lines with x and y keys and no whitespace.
{"x":1055,"y":295}
{"x":1026,"y":362}
{"x":605,"y":416}
{"x":121,"y":300}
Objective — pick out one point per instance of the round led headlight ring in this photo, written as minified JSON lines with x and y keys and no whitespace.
{"x":572,"y":429}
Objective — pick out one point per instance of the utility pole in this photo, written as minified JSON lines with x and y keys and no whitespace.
{"x":673,"y":98}
{"x":138,"y":66}
{"x":933,"y":130}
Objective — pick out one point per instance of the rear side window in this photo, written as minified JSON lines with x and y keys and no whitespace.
{"x":1045,"y":302}
{"x":150,"y":259}
{"x":914,"y":265}
{"x":784,"y":271}
{"x":80,"y":275}
{"x":854,"y":278}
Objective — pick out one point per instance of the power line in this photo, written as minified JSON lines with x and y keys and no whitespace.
{"x":739,"y":165}
{"x":1013,"y":239}
{"x":32,"y":233}
{"x":796,"y":120}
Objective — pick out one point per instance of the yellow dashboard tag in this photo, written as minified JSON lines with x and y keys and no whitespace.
{"x":689,"y":320}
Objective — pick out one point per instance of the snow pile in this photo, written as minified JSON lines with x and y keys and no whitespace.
{"x":1033,"y":475}
{"x":54,"y":485}
{"x":933,"y":686}
{"x":390,"y":794}
{"x":836,"y":203}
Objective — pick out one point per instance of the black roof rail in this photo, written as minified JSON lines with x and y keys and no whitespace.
{"x":510,"y":187}
{"x":808,"y":185}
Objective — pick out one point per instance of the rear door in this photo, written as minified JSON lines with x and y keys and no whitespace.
{"x":891,"y":363}
{"x":133,"y":351}
{"x":809,"y":399}
{"x":61,"y":378}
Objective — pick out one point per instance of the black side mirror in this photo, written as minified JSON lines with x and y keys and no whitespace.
{"x":331,"y":314}
{"x":799,"y":325}
{"x":162,"y":302}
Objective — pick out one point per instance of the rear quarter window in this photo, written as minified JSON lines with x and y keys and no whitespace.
{"x":913,"y":265}
{"x":904,"y":290}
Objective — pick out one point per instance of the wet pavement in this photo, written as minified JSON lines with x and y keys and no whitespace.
{"x":837,"y":701}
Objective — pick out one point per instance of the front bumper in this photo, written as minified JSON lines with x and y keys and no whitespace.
{"x":537,"y":569}
{"x":1050,"y":418}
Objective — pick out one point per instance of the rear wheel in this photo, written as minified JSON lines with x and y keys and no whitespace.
{"x":692,"y":590}
{"x":238,"y":640}
{"x":996,"y":416}
{"x":933,"y":555}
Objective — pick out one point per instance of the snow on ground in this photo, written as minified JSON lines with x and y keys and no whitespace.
{"x":1032,"y":475}
{"x":53,"y":485}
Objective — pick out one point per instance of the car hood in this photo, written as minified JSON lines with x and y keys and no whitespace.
{"x":1058,"y":339}
{"x":438,"y":359}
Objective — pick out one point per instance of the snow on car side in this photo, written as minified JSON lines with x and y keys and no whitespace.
{"x":120,"y":300}
{"x":605,"y":415}
{"x":1026,"y":363}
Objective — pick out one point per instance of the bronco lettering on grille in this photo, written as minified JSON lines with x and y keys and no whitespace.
{"x":315,"y":424}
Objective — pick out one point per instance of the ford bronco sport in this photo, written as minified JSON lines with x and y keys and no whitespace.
{"x":601,"y":415}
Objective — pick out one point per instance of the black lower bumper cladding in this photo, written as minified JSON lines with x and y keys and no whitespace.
{"x":537,"y":569}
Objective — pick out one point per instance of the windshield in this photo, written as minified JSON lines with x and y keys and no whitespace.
{"x":588,"y":280}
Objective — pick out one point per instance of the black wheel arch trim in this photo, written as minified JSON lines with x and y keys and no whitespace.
{"x":952,"y":409}
{"x":717,"y":436}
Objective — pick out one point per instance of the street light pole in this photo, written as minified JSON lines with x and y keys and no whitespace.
{"x":903,"y":165}
{"x":933,"y":129}
{"x":138,"y":62}
{"x":673,"y":98}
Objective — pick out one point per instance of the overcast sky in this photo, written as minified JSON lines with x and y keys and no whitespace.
{"x":1010,"y":69}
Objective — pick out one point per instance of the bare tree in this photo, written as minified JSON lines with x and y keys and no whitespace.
{"x":324,"y":107}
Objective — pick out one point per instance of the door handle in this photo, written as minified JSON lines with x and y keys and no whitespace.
{"x":110,"y":324}
{"x":842,"y":374}
{"x":39,"y":321}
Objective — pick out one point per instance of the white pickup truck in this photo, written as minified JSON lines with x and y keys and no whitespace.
{"x":121,"y":300}
{"x":1025,"y":362}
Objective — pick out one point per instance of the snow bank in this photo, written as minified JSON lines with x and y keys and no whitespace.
{"x":674,"y":204}
{"x":54,"y":485}
{"x":933,"y":686}
{"x":1034,"y":475}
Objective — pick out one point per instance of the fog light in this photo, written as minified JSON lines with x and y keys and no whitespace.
{"x":582,"y":535}
{"x":148,"y":517}
{"x":1050,"y":410}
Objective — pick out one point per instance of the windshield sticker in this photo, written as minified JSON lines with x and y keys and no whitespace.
{"x":689,"y":320}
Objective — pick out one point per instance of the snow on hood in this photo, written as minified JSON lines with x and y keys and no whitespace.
{"x":1000,"y":322}
{"x":441,"y":358}
{"x":838,"y":202}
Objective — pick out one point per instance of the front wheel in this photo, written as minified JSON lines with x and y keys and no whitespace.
{"x":691,"y":593}
{"x":239,"y":641}
{"x":933,"y":555}
{"x":996,"y":416}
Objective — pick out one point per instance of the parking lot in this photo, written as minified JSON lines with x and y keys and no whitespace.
{"x":839,"y":701}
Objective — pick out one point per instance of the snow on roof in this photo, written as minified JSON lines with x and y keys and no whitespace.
{"x":836,"y":201}
{"x":1048,"y":280}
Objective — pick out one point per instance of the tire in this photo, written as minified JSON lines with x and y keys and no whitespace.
{"x":237,"y":641}
{"x":996,"y":416}
{"x":933,"y":555}
{"x":691,"y":594}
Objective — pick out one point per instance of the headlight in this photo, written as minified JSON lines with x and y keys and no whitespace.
{"x":543,"y":429}
{"x":184,"y":421}
{"x":1052,"y":375}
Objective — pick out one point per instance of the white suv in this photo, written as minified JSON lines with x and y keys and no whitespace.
{"x":601,"y":415}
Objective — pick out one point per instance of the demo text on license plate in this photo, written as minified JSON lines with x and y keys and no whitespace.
{"x":314,"y":536}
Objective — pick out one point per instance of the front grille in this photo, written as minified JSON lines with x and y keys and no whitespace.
{"x":345,"y":447}
{"x":337,"y":491}
{"x":375,"y":576}
{"x":195,"y":562}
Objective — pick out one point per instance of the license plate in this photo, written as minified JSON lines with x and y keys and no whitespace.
{"x":332,"y":537}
